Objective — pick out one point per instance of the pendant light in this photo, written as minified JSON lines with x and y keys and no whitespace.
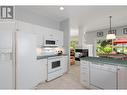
{"x":110,"y":36}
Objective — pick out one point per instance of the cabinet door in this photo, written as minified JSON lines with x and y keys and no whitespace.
{"x":122,"y":78}
{"x":44,"y":70}
{"x":60,"y":38}
{"x":39,"y":40}
{"x":49,"y":34}
{"x":39,"y":32}
{"x":105,"y":71}
{"x":41,"y":70}
{"x":65,"y":63}
{"x":84,"y":73}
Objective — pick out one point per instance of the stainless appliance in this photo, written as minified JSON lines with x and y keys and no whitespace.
{"x":103,"y":76}
{"x":54,"y":67}
{"x":79,"y":53}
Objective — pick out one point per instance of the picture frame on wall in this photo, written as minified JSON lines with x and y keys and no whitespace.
{"x":124,"y":30}
{"x":112,"y":32}
{"x":99,"y":34}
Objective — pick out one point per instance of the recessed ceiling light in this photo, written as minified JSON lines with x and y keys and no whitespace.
{"x":61,"y":8}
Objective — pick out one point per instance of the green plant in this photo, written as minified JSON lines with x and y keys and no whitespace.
{"x":104,"y":47}
{"x":107,"y":49}
{"x":74,"y":44}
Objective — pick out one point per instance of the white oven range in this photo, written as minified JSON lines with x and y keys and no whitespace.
{"x":54,"y":67}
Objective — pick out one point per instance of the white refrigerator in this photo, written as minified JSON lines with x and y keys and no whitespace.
{"x":7,"y":55}
{"x":18,"y":58}
{"x":90,"y":49}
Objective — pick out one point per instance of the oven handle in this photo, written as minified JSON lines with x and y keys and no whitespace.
{"x":55,"y":57}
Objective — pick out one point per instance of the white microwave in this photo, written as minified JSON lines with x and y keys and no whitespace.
{"x":50,"y":43}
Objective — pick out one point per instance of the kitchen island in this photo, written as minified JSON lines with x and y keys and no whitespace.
{"x":103,"y":73}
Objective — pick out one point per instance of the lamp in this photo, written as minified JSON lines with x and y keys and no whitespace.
{"x":61,"y":8}
{"x":110,"y":36}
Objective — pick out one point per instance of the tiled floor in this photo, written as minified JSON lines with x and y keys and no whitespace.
{"x":71,"y":80}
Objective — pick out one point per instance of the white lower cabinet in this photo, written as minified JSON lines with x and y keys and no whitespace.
{"x":41,"y":73}
{"x":95,"y":76}
{"x":122,"y":77}
{"x":103,"y":76}
{"x":64,"y":64}
{"x":84,"y":73}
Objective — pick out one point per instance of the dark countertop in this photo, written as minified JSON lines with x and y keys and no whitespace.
{"x":110,"y":61}
{"x":43,"y":57}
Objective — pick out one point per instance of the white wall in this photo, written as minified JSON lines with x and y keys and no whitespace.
{"x":81,"y":37}
{"x":27,"y":16}
{"x":91,"y":37}
{"x":65,"y":27}
{"x":74,"y":32}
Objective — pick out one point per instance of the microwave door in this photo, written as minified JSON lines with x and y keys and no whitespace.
{"x":50,"y":43}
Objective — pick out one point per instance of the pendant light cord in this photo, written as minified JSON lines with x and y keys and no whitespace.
{"x":110,"y":23}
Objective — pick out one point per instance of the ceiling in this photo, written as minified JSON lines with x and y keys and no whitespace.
{"x":91,"y":17}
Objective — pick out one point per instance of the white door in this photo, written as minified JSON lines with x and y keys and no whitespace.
{"x":39,"y":31}
{"x":103,"y":76}
{"x":84,"y":73}
{"x":65,"y":64}
{"x":122,"y":78}
{"x":41,"y":72}
{"x":54,"y":64}
{"x":7,"y":73}
{"x":60,"y":38}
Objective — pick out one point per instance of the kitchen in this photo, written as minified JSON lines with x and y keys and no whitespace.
{"x":35,"y":48}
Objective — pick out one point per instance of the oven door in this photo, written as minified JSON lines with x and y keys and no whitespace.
{"x":54,"y":64}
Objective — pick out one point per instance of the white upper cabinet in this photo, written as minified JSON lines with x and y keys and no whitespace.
{"x":49,"y":34}
{"x":39,"y":32}
{"x":42,"y":33}
{"x":36,"y":29}
{"x":60,"y":38}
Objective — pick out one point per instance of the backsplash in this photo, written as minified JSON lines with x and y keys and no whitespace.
{"x":49,"y":51}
